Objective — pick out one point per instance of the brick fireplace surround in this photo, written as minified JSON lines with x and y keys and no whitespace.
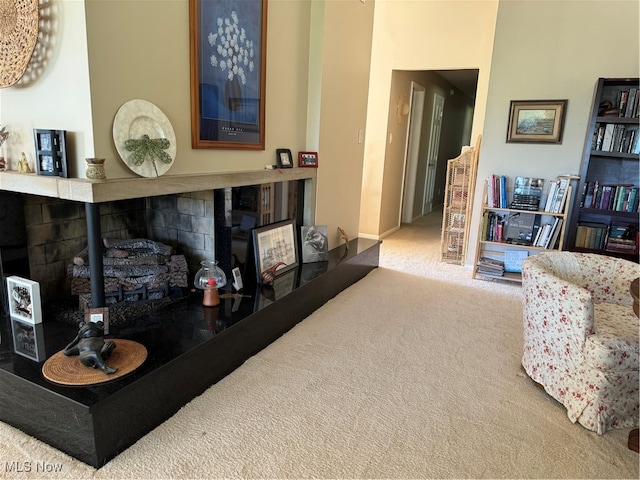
{"x":189,"y":347}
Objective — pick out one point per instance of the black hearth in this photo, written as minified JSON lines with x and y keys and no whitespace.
{"x":190,"y":347}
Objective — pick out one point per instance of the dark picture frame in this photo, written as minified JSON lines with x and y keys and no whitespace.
{"x":308,"y":159}
{"x":273,"y":244}
{"x":228,"y":102}
{"x":284,"y":158}
{"x":536,"y":121}
{"x":51,"y":152}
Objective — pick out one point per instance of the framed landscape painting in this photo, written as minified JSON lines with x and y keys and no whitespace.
{"x":228,"y":52}
{"x":536,"y":121}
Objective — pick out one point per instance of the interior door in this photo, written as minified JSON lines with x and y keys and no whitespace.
{"x":432,"y":155}
{"x":409,"y":198}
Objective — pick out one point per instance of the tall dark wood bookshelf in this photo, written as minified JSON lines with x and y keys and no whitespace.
{"x":610,"y":163}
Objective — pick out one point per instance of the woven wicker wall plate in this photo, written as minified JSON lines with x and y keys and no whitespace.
{"x":18,"y":37}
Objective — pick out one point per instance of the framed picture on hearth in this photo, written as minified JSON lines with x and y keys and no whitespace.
{"x":275,"y":249}
{"x":24,"y":299}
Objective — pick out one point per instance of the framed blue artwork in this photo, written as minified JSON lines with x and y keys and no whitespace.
{"x":228,"y":52}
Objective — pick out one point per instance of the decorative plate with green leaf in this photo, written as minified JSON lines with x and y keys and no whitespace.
{"x":144,"y":138}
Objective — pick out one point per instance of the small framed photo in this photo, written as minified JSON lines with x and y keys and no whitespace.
{"x":285,"y":160}
{"x":536,"y":121}
{"x":308,"y":159}
{"x":315,"y":243}
{"x":275,"y":249}
{"x":96,"y":315}
{"x":51,"y":152}
{"x":28,"y":339}
{"x":24,"y":300}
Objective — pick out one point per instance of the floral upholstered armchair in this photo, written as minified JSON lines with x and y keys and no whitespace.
{"x":581,"y":335}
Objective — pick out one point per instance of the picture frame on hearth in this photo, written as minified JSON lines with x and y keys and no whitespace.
{"x":23,"y":296}
{"x":51,"y":152}
{"x":28,"y":339}
{"x":275,"y":249}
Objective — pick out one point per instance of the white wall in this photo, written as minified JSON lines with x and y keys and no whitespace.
{"x":551,"y":50}
{"x":129,"y":49}
{"x":418,"y":35}
{"x":345,"y":74}
{"x":57,"y":94}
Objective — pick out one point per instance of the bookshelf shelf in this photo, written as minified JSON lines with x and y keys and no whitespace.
{"x":608,"y":190}
{"x":489,"y":250}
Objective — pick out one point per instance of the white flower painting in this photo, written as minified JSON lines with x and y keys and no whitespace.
{"x":233,"y":51}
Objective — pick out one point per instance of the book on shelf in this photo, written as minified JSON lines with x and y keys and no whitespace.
{"x":622,"y":239}
{"x":543,"y":237}
{"x":591,"y":235}
{"x":558,"y":196}
{"x":619,"y":198}
{"x":493,"y":226}
{"x":527,"y":193}
{"x":490,"y":266}
{"x":555,"y":234}
{"x":622,"y":103}
{"x":497,"y":191}
{"x":632,"y":103}
{"x":553,"y":186}
{"x":513,"y":260}
{"x":618,"y":138}
{"x":520,"y":228}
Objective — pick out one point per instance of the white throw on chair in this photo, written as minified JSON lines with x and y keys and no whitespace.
{"x":581,"y":335}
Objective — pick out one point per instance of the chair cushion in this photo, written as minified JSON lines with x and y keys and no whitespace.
{"x":614,"y":345}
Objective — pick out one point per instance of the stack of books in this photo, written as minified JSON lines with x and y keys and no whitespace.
{"x":557,"y":195}
{"x":489,"y":266}
{"x":622,"y":239}
{"x":527,"y":193}
{"x":547,"y":234}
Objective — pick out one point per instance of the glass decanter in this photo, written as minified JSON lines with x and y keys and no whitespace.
{"x":209,"y":269}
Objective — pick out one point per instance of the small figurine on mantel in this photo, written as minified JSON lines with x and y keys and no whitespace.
{"x":90,"y":345}
{"x":23,"y":165}
{"x":4,"y":134}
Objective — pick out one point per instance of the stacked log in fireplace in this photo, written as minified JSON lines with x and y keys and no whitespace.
{"x":134,"y":270}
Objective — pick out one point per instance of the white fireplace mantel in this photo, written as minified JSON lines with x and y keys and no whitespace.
{"x":88,"y":191}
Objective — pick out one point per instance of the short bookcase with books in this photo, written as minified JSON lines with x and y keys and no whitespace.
{"x":605,"y":219}
{"x":532,"y":221}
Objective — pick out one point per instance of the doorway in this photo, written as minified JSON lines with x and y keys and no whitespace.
{"x":432,"y":155}
{"x":438,"y":143}
{"x":414,"y":134}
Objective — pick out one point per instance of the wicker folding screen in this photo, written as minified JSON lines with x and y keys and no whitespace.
{"x":458,"y":200}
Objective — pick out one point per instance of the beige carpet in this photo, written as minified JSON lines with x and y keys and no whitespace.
{"x":414,"y":372}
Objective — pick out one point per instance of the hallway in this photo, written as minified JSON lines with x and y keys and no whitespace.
{"x":415,"y":249}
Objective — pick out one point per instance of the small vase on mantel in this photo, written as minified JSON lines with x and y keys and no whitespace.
{"x":95,"y":169}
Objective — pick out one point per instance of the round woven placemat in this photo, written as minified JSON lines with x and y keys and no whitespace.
{"x":18,"y":37}
{"x":126,"y":357}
